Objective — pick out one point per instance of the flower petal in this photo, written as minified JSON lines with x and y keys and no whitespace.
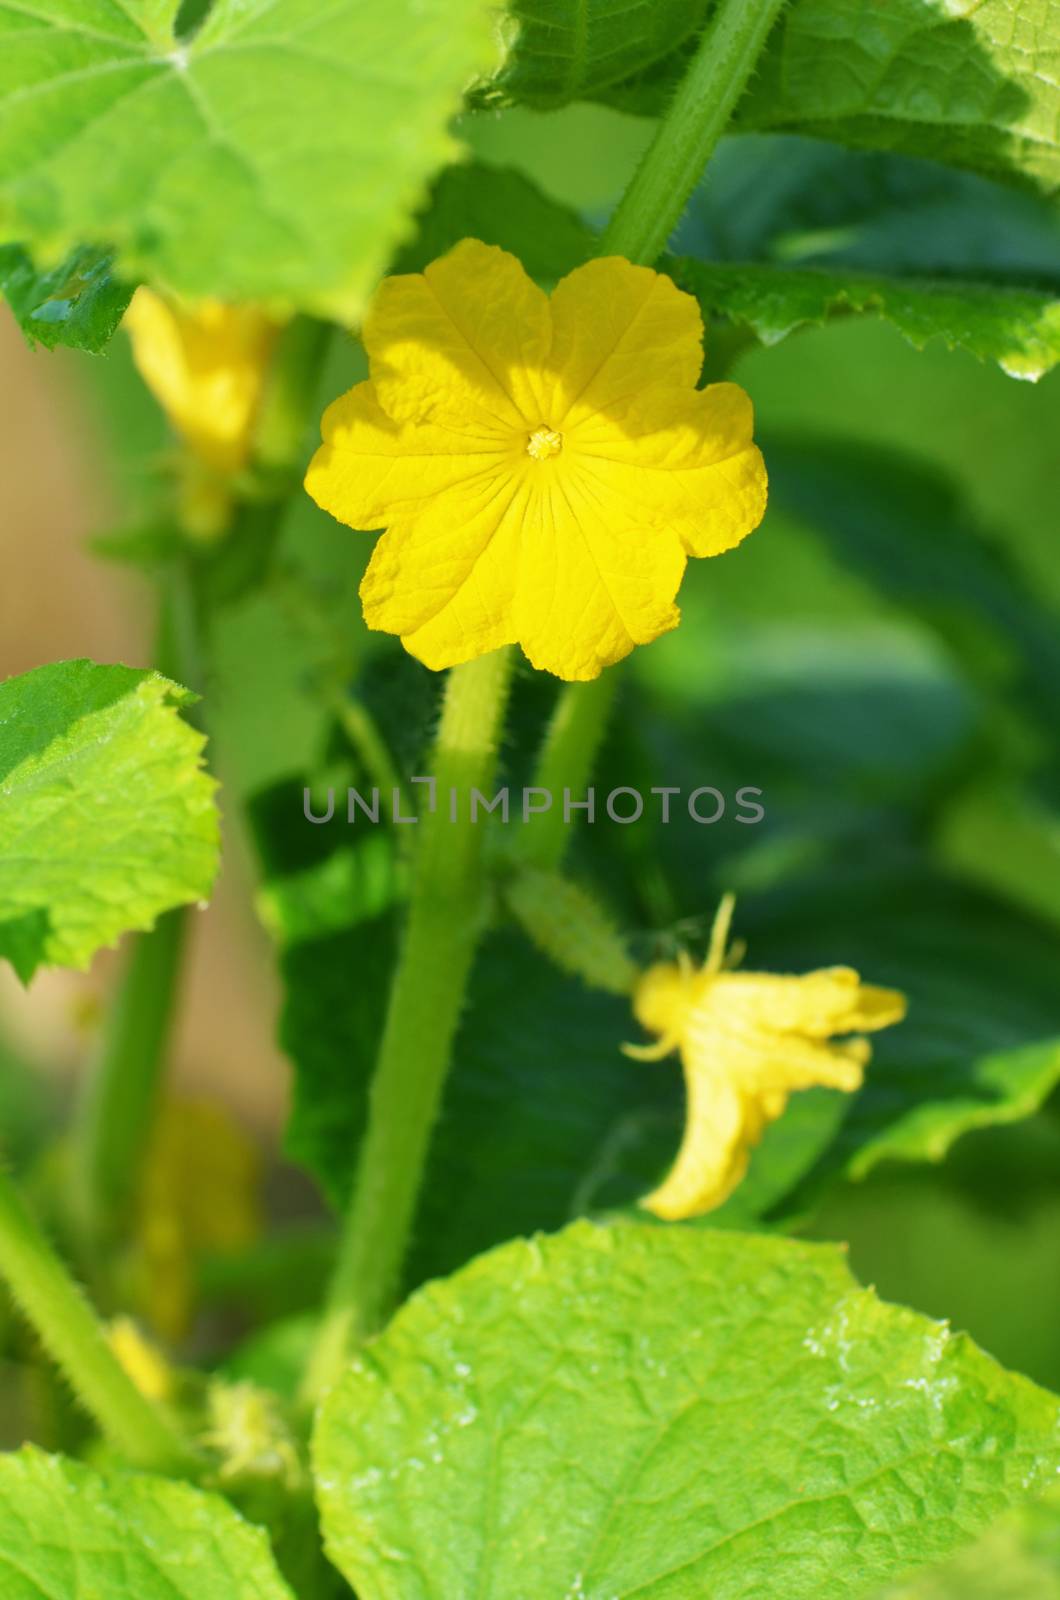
{"x":592,"y":586}
{"x":466,"y":337}
{"x":618,"y":329}
{"x":370,"y":471}
{"x":445,"y":581}
{"x":690,"y":466}
{"x":714,"y":1152}
{"x":818,"y":1004}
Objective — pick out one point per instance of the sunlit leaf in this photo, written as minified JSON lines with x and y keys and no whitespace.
{"x":277,"y":154}
{"x":668,"y":1412}
{"x":107,"y":818}
{"x":73,"y":1534}
{"x":1017,"y":328}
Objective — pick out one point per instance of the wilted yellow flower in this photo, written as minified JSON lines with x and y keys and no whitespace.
{"x":543,"y":467}
{"x":206,"y":366}
{"x":747,"y":1040}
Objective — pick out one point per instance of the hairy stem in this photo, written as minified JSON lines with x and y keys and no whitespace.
{"x":123,"y":1089}
{"x":445,"y":918}
{"x":565,"y":765}
{"x":74,"y":1337}
{"x":684,"y":141}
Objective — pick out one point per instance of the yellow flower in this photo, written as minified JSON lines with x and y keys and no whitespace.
{"x":747,"y":1040}
{"x":543,"y":467}
{"x":206,"y":366}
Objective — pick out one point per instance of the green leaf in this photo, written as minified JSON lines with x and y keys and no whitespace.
{"x":667,"y":1412}
{"x":538,"y":1096}
{"x":1017,"y":328}
{"x":970,"y":83}
{"x":107,"y":818}
{"x":71,"y":1534}
{"x":327,"y":898}
{"x":562,"y":50}
{"x":966,"y":82}
{"x":498,"y":206}
{"x":1018,"y":1558}
{"x":275,"y":155}
{"x":909,"y":530}
{"x":997,"y":834}
{"x":800,"y":202}
{"x":77,"y":303}
{"x":979,"y":1046}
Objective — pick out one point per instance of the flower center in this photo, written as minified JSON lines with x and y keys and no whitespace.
{"x":544,"y":443}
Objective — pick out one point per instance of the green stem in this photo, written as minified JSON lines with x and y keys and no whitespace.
{"x":566,"y":761}
{"x":684,"y":141}
{"x":288,"y":402}
{"x":368,"y":744}
{"x":445,"y":919}
{"x":73,"y":1335}
{"x":124,"y":1088}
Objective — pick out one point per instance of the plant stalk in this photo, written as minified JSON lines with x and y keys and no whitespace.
{"x":288,"y":401}
{"x":72,"y":1334}
{"x":565,"y":763}
{"x":686,"y":136}
{"x":124,"y":1087}
{"x":445,"y":919}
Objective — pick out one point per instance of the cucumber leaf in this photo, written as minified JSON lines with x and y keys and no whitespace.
{"x":78,"y":303}
{"x":636,"y":1410}
{"x":107,"y":817}
{"x":1018,"y":1558}
{"x":73,"y":1534}
{"x":1017,"y":328}
{"x":275,"y":155}
{"x":969,"y":83}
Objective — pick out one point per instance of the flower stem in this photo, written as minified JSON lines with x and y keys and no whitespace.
{"x":684,"y":141}
{"x":568,"y":753}
{"x":73,"y":1335}
{"x":445,"y":918}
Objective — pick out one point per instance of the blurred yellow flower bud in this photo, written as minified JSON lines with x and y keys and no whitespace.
{"x":206,"y":366}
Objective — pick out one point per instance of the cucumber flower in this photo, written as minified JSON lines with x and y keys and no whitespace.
{"x":746,"y":1041}
{"x":543,"y":466}
{"x":206,"y":366}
